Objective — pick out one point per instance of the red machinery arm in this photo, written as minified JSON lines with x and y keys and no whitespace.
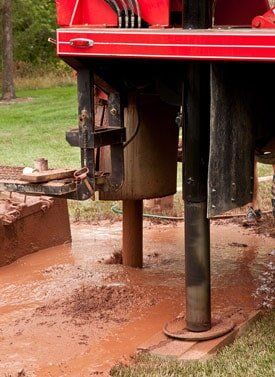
{"x":154,"y":13}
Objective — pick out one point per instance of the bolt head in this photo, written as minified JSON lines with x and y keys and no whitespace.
{"x":113,"y":111}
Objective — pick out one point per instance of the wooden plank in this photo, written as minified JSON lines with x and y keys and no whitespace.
{"x":47,"y":175}
{"x":205,"y":349}
{"x":174,"y":348}
{"x":52,"y":188}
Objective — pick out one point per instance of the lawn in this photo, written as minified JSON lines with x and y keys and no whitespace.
{"x":252,"y":355}
{"x":36,"y":128}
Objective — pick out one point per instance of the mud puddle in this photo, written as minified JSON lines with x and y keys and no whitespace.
{"x":63,"y":313}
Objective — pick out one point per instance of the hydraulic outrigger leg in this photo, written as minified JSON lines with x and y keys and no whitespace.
{"x":196,"y":102}
{"x":197,"y":227}
{"x":197,"y":324}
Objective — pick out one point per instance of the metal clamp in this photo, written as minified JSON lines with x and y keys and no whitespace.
{"x":82,"y":176}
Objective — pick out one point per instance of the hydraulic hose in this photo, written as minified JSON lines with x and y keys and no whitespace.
{"x":149,"y":215}
{"x":125,"y":8}
{"x":132,"y":10}
{"x":135,"y":4}
{"x":138,"y":13}
{"x":114,"y":5}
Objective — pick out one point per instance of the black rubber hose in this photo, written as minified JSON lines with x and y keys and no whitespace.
{"x":138,"y":13}
{"x":136,"y":131}
{"x":132,"y":10}
{"x":113,"y":4}
{"x":125,"y":8}
{"x":137,"y":6}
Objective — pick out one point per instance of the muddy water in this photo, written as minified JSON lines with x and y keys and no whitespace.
{"x":41,"y":333}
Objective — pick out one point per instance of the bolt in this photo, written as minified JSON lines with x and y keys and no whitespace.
{"x":113,"y":111}
{"x":233,"y":200}
{"x":214,"y":190}
{"x":213,"y":206}
{"x":190,"y":180}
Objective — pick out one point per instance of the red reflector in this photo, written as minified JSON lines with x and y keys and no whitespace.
{"x":81,"y":42}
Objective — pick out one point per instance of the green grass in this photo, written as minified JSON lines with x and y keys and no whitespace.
{"x":36,"y":128}
{"x":264,"y":170}
{"x":252,"y":355}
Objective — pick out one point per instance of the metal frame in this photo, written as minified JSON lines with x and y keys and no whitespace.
{"x":176,"y":44}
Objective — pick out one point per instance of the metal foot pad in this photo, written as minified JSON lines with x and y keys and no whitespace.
{"x":177,"y":330}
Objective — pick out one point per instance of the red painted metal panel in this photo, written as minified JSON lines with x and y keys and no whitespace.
{"x":85,"y":12}
{"x":236,"y":45}
{"x":155,"y":12}
{"x":239,"y":12}
{"x":64,"y":10}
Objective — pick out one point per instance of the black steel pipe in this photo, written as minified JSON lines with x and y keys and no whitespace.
{"x":196,"y":105}
{"x":197,"y":14}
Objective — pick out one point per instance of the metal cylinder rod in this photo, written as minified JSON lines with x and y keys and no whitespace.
{"x":196,"y":104}
{"x":132,"y":249}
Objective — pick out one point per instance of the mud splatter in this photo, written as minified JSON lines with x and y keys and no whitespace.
{"x":266,"y":285}
{"x":105,"y":303}
{"x":115,"y":258}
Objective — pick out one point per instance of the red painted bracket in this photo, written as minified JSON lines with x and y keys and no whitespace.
{"x":266,"y":21}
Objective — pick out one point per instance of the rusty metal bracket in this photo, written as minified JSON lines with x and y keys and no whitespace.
{"x":46,"y":204}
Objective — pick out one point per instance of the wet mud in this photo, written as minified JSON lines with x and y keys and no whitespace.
{"x":29,"y":224}
{"x":265,"y":226}
{"x":65,"y":313}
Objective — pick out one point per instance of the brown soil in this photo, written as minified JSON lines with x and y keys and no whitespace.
{"x":115,"y":258}
{"x":105,"y":303}
{"x":265,"y":226}
{"x":29,"y":224}
{"x":10,"y":172}
{"x":64,"y":314}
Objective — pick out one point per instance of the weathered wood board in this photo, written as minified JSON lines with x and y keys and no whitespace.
{"x":47,"y":175}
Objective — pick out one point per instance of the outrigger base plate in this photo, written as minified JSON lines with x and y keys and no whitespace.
{"x":177,"y":330}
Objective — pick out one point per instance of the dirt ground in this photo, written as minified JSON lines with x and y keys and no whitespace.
{"x":65,"y":312}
